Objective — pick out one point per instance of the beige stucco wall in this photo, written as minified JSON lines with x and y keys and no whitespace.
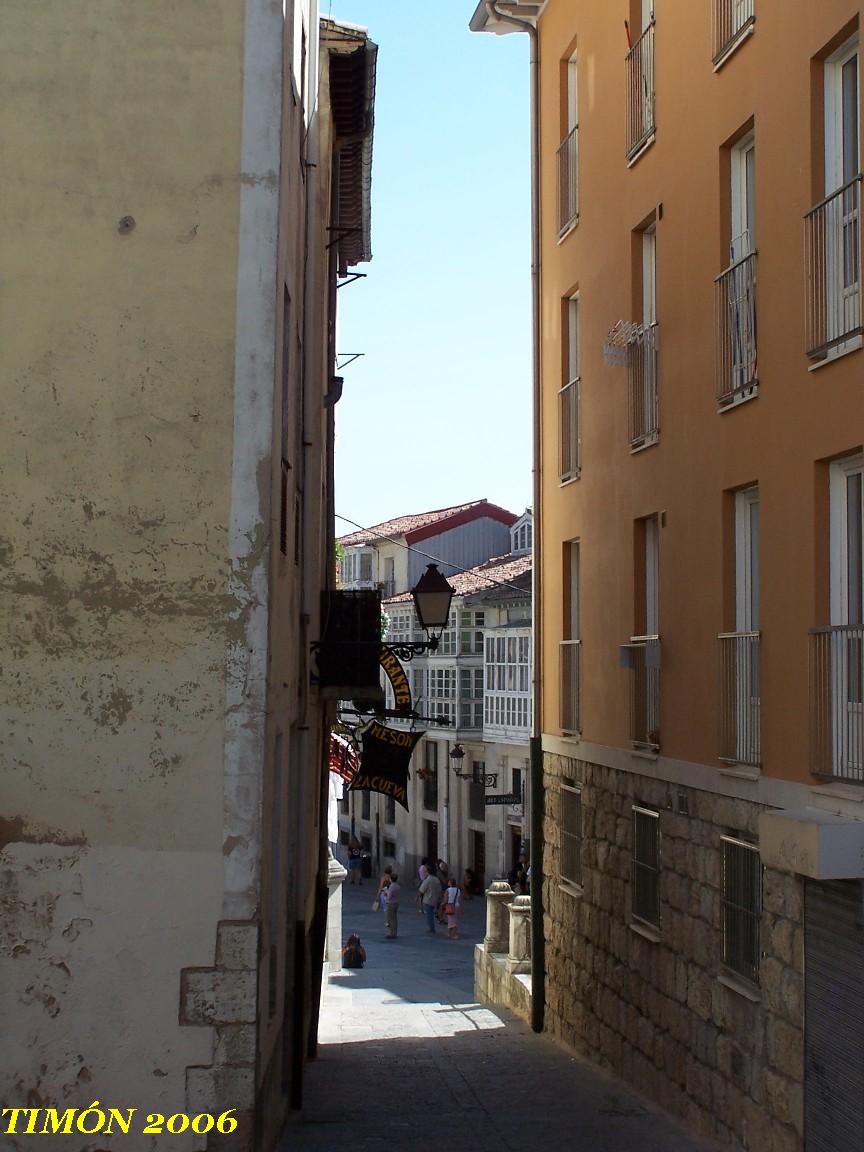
{"x":117,"y":319}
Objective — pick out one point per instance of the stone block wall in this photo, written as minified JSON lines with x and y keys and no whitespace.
{"x":663,"y":1013}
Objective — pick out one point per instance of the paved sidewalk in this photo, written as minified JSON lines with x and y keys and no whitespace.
{"x":409,"y":1060}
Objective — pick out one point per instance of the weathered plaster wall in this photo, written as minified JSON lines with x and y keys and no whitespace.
{"x":117,"y":323}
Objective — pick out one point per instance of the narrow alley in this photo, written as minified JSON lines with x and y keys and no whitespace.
{"x":408,"y":1059}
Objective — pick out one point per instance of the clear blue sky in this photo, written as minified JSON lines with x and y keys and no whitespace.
{"x":438,"y":410}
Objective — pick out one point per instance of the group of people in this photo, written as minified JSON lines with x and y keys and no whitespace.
{"x":439,"y":899}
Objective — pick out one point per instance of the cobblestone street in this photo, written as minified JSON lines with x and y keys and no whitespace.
{"x":408,"y":1059}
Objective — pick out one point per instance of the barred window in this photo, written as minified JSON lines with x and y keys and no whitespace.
{"x":571,"y":833}
{"x":742,"y":907}
{"x":645,"y":867}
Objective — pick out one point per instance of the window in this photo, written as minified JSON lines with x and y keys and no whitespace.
{"x":477,"y":793}
{"x":344,"y":837}
{"x":742,"y":907}
{"x":389,"y":577}
{"x":471,"y":633}
{"x":365,"y":566}
{"x":568,"y":151}
{"x":506,"y":692}
{"x":390,"y":848}
{"x":571,"y":833}
{"x":645,"y":870}
{"x":516,"y":781}
{"x":736,"y":287}
{"x":441,"y":693}
{"x":471,"y":698}
{"x":366,"y":844}
{"x":570,"y":644}
{"x":643,"y":651}
{"x":733,"y":21}
{"x":520,"y":537}
{"x":833,"y":227}
{"x":743,"y":170}
{"x":842,"y":160}
{"x":740,"y":669}
{"x":345,"y":803}
{"x":430,"y":782}
{"x":569,"y":396}
{"x":642,"y":349}
{"x":447,"y":645}
{"x":366,"y":805}
{"x":390,"y":811}
{"x":640,"y":78}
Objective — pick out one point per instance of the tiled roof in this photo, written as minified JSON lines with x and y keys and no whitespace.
{"x":502,"y":569}
{"x":406,"y":525}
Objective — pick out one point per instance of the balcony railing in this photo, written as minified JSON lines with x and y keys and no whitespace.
{"x":568,"y":181}
{"x":569,"y":453}
{"x":837,"y":702}
{"x":644,"y":424}
{"x":832,"y":243}
{"x":732,"y":19}
{"x":735,"y":311}
{"x":640,"y":92}
{"x":569,"y":681}
{"x":740,"y":698}
{"x":644,"y":661}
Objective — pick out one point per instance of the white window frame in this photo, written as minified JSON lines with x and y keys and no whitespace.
{"x":841,"y":598}
{"x":649,"y":275}
{"x":747,"y":546}
{"x":649,"y":815}
{"x":652,"y":575}
{"x":576,"y":834}
{"x":570,"y":396}
{"x":743,"y":177}
{"x":835,"y":173}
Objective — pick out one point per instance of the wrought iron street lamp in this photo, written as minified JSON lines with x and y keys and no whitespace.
{"x":477,"y":775}
{"x":431,"y":595}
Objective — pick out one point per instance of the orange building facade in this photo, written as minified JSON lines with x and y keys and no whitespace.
{"x":700,"y":651}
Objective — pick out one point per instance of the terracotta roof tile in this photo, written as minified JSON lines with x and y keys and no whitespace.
{"x":404,"y":524}
{"x":499,"y":570}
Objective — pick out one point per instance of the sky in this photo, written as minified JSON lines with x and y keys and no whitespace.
{"x":437,"y":411}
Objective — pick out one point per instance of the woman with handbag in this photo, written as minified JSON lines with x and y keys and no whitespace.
{"x":451,"y":910}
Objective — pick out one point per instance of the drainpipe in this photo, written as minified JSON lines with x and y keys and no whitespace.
{"x":538,"y":943}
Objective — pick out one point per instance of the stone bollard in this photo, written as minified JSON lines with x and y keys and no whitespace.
{"x":333,"y":949}
{"x":498,"y":896}
{"x":519,"y":958}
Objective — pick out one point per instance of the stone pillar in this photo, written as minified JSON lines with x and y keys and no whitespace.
{"x":333,"y":949}
{"x":498,"y":897}
{"x":519,"y":957}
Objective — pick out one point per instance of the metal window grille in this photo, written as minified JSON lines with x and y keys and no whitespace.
{"x":740,"y":698}
{"x":644,"y":656}
{"x":735,"y":317}
{"x":569,"y":461}
{"x":571,"y":833}
{"x":640,"y":92}
{"x":645,"y":866}
{"x":732,"y":18}
{"x":742,"y":907}
{"x":832,"y":245}
{"x":644,"y":416}
{"x":569,"y":681}
{"x":568,"y":180}
{"x":837,"y":702}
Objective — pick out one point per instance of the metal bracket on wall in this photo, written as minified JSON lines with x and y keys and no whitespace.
{"x":350,"y":357}
{"x":350,"y":278}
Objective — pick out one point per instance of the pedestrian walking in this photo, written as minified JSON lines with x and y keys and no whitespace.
{"x":383,"y":884}
{"x":452,"y":901}
{"x":430,"y":897}
{"x":394,"y":891}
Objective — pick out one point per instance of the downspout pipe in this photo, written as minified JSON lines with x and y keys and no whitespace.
{"x":537,"y":792}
